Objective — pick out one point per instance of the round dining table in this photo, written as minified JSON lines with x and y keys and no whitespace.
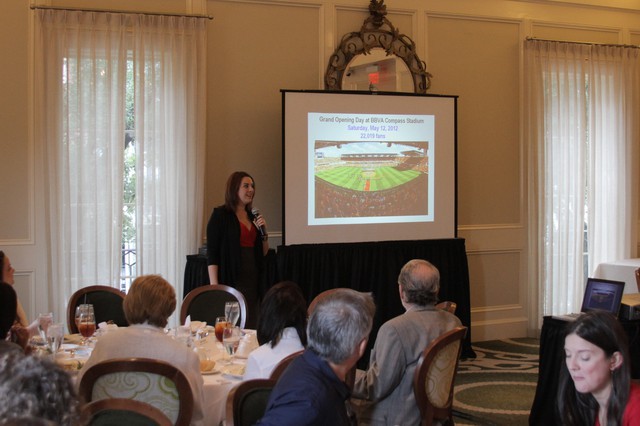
{"x":217,"y":383}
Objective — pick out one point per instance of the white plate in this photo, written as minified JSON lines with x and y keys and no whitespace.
{"x":214,"y":371}
{"x":69,"y":347}
{"x":235,"y":371}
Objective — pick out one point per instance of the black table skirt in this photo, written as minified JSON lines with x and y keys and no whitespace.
{"x":196,"y":272}
{"x":543,"y":410}
{"x":375,"y":267}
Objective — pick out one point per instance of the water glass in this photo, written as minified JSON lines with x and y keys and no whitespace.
{"x":232,"y":312}
{"x":231,"y":340}
{"x":43,"y":324}
{"x":55,"y":334}
{"x":183,"y":334}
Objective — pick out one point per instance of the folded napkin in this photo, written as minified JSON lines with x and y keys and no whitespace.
{"x":104,"y":327}
{"x":247,"y":344}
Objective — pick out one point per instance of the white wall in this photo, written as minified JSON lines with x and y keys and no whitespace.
{"x":473,"y":48}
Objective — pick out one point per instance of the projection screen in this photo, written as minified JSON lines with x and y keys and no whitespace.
{"x":367,"y":166}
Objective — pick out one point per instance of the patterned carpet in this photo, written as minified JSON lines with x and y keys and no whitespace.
{"x":498,"y":386}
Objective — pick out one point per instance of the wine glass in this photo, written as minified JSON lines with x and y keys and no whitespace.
{"x":232,"y":312}
{"x":231,"y":336}
{"x":43,"y":324}
{"x":86,"y":322}
{"x":221,"y":324}
{"x":79,"y":309}
{"x":183,"y":334}
{"x":55,"y":334}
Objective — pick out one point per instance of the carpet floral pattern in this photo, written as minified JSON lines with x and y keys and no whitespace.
{"x":498,"y":386}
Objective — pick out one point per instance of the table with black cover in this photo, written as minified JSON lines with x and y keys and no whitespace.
{"x":374,"y":267}
{"x":370,"y":267}
{"x":196,"y":272}
{"x":543,"y":410}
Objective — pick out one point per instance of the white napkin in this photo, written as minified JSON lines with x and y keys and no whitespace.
{"x":248,"y":343}
{"x":104,"y":327}
{"x":197,"y":325}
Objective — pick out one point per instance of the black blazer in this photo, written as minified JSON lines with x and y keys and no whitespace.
{"x":223,"y":245}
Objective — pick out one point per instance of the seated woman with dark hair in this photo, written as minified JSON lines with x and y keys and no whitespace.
{"x":8,"y":332}
{"x":281,"y":329}
{"x":20,"y":320}
{"x":595,"y":382}
{"x":147,"y":307}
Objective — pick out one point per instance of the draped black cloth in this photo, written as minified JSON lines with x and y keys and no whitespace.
{"x":552,"y":357}
{"x":374,"y":267}
{"x":196,"y":273}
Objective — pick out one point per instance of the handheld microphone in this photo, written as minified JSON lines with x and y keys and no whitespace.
{"x":256,"y":213}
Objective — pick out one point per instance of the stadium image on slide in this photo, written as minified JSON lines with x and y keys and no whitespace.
{"x":369,"y":179}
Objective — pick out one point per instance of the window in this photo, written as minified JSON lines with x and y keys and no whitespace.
{"x":117,"y":210}
{"x":581,"y":102}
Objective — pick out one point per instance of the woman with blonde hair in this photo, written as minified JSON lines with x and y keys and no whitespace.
{"x":147,"y":307}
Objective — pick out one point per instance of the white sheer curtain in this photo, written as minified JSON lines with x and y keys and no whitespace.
{"x":582,"y":109}
{"x":80,"y":111}
{"x":169,"y":68}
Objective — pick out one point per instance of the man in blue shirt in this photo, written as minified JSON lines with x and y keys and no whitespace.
{"x":312,"y":391}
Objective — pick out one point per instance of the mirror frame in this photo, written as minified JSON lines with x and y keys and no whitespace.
{"x":376,"y":31}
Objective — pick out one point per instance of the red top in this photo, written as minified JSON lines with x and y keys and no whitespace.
{"x":631,"y":416}
{"x":247,"y":236}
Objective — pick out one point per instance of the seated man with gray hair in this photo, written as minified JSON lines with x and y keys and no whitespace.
{"x":312,"y":391}
{"x":387,"y":385}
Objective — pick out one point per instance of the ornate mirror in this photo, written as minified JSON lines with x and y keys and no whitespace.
{"x":377,"y":57}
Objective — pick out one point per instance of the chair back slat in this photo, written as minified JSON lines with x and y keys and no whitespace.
{"x":147,"y":380}
{"x":119,"y":411}
{"x":435,"y":374}
{"x":107,"y":305}
{"x":247,"y":402}
{"x":283,"y":364}
{"x":206,"y":303}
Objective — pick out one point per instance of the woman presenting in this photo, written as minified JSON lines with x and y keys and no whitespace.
{"x":237,"y":242}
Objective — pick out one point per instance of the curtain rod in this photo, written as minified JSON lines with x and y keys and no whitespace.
{"x":134,"y":12}
{"x":584,"y":43}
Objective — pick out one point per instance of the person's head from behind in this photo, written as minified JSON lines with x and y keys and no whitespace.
{"x":151,"y":299}
{"x":283,"y":306}
{"x":419,"y":283}
{"x":36,"y":388}
{"x":8,"y":306}
{"x":597,"y":368}
{"x":6,"y":270}
{"x":240,"y":188}
{"x":340,"y":324}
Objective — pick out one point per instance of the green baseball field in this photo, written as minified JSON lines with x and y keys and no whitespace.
{"x":359,"y":179}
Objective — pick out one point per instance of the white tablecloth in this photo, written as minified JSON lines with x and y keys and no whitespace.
{"x":217,"y":386}
{"x":620,"y":270}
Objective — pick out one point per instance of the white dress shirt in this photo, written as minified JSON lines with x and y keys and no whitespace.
{"x":264,"y":359}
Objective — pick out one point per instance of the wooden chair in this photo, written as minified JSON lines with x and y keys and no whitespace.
{"x":106,"y":301}
{"x":247,"y":402}
{"x":435,"y":375}
{"x":148,"y":380}
{"x":448,"y":306}
{"x":283,"y":364}
{"x":122,"y":411}
{"x":206,"y":303}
